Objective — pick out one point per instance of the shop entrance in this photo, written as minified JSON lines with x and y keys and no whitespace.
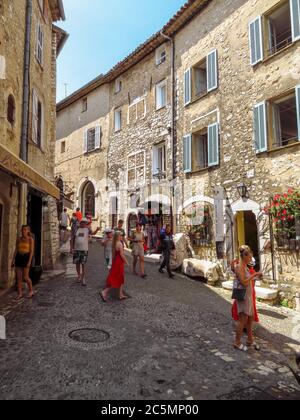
{"x":34,"y":220}
{"x":247,"y":233}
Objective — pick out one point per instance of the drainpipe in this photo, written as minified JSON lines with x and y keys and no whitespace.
{"x":173,"y":124}
{"x":26,"y":83}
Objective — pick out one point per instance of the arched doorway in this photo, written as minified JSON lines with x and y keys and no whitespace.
{"x":88,"y":199}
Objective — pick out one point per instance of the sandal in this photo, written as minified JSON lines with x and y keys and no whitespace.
{"x":254,"y":345}
{"x":102,"y":297}
{"x":241,"y":347}
{"x":18,"y":298}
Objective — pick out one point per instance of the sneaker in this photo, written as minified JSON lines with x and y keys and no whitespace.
{"x":171,"y":276}
{"x":84,"y":283}
{"x":161,"y":271}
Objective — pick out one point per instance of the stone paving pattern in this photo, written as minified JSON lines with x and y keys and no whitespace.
{"x":172,"y":340}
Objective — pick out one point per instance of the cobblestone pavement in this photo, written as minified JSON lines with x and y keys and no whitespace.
{"x":172,"y":340}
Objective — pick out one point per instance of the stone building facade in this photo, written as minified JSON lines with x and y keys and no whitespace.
{"x":81,"y":151}
{"x":29,"y":44}
{"x":230,"y":126}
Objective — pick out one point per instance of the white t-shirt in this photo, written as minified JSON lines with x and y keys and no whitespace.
{"x":82,"y":239}
{"x":64,"y":220}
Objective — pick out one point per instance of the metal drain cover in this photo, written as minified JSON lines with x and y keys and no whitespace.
{"x":89,"y":335}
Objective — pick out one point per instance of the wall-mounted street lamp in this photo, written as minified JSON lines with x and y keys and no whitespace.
{"x":243,"y":190}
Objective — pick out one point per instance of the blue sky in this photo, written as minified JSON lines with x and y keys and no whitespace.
{"x":103,"y":32}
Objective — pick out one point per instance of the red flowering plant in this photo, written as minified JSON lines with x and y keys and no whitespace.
{"x":285,"y":211}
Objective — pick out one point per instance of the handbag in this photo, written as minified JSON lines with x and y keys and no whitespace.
{"x":239,"y":294}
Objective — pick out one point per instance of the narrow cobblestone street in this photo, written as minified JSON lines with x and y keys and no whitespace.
{"x":172,"y":340}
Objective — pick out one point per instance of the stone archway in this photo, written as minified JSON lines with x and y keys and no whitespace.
{"x":88,"y":199}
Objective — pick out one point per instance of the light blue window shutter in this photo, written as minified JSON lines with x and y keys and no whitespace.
{"x":295,"y":16}
{"x":212,"y":71}
{"x":260,"y":128}
{"x":85,"y":141}
{"x":187,"y":87}
{"x":213,"y":145}
{"x":256,"y":41}
{"x":98,"y":137}
{"x":187,"y":154}
{"x":298,"y":109}
{"x":155,"y":168}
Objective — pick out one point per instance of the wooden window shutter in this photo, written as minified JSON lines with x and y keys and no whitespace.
{"x":298,"y":109}
{"x":256,"y":41}
{"x":260,"y":127}
{"x":35,"y":105}
{"x":187,"y":154}
{"x":295,"y":17}
{"x":98,"y":137}
{"x":85,"y":141}
{"x":213,"y":145}
{"x":212,"y":71}
{"x":187,"y":87}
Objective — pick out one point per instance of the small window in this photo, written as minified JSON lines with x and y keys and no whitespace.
{"x":84,"y":105}
{"x":118,"y":120}
{"x":159,"y":161}
{"x":200,"y":151}
{"x":279,"y":29}
{"x":40,"y":45}
{"x":161,"y":95}
{"x":91,"y":140}
{"x":11,"y":110}
{"x":37,"y":120}
{"x":284,"y":121}
{"x":200,"y":79}
{"x":118,"y":86}
{"x":161,"y":56}
{"x":63,"y":147}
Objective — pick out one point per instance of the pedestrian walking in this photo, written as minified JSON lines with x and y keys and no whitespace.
{"x":167,"y":244}
{"x":244,"y":309}
{"x":22,"y":260}
{"x":74,"y":222}
{"x":64,"y":223}
{"x":120,"y":229}
{"x":138,"y":250}
{"x":116,"y":277}
{"x":107,"y":243}
{"x":80,"y":248}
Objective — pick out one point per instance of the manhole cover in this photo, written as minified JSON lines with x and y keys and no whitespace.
{"x":248,"y":394}
{"x":89,"y":335}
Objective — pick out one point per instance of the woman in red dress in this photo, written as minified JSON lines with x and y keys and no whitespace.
{"x":116,"y":277}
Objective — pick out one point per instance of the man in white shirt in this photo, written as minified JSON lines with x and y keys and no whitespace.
{"x":81,"y":249}
{"x":64,"y":223}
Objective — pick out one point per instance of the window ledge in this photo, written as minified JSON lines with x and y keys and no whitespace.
{"x":277,"y":149}
{"x":199,"y":98}
{"x":270,"y":57}
{"x":161,"y":108}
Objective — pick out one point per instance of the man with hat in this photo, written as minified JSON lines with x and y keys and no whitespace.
{"x":81,"y":249}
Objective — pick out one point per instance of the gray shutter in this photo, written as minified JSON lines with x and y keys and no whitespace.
{"x":298,"y":109}
{"x":85,"y":141}
{"x":213,"y":145}
{"x":295,"y":16}
{"x":187,"y":154}
{"x":35,"y":100}
{"x":98,"y":137}
{"x":212,"y":71}
{"x":256,"y":41}
{"x":187,"y":87}
{"x":154,"y":161}
{"x":260,"y":128}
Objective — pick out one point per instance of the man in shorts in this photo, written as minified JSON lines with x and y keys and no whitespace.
{"x":81,"y":249}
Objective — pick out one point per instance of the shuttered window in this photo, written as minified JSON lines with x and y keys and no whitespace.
{"x":40,"y":44}
{"x":187,"y":87}
{"x":213,"y":145}
{"x":37,"y":120}
{"x":187,"y":154}
{"x":295,"y":16}
{"x":92,"y":139}
{"x":260,"y":128}
{"x":256,"y":41}
{"x":212,"y":71}
{"x":161,"y":95}
{"x":118,"y":120}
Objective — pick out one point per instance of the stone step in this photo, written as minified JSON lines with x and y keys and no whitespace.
{"x":261,"y":292}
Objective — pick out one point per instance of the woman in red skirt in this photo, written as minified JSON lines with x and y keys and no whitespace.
{"x":116,"y":278}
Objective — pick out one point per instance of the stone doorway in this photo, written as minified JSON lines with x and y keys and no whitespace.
{"x":247,"y":233}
